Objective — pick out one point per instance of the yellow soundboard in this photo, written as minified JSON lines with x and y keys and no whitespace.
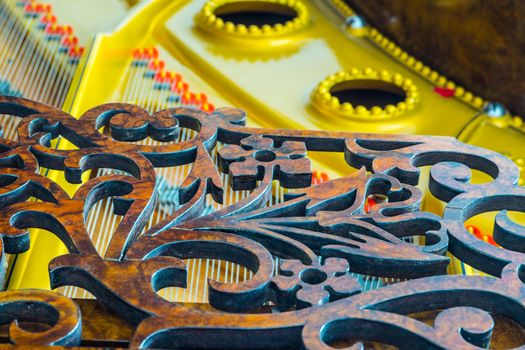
{"x":300,"y":64}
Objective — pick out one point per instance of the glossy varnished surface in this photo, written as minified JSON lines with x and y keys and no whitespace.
{"x":320,"y":233}
{"x":479,"y":44}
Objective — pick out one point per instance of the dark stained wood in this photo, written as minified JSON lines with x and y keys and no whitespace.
{"x":321,"y":234}
{"x":101,"y":327}
{"x":478,"y":44}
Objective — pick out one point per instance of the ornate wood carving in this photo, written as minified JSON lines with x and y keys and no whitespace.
{"x":320,"y":232}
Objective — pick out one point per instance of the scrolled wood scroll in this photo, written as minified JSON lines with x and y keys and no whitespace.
{"x":321,"y":233}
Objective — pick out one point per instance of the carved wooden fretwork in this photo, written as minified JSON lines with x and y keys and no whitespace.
{"x":320,"y":233}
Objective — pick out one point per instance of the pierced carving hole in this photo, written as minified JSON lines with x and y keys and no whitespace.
{"x":368,"y":93}
{"x":481,"y":226}
{"x":265,"y":156}
{"x":255,"y":13}
{"x":8,"y":126}
{"x":373,"y":200}
{"x":199,"y":271}
{"x":75,"y":292}
{"x":7,"y":179}
{"x":313,"y":276}
{"x":479,"y":177}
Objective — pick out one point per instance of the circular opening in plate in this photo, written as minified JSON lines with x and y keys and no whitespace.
{"x":313,"y":276}
{"x":365,"y":93}
{"x":258,"y":13}
{"x":368,"y":93}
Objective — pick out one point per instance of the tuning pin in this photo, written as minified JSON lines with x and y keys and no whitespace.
{"x":67,"y":42}
{"x":23,"y":3}
{"x":173,"y":99}
{"x":70,"y":40}
{"x":175,"y":87}
{"x":207,"y":107}
{"x":30,"y":10}
{"x":43,"y":8}
{"x":75,"y":53}
{"x":154,"y":52}
{"x":180,"y":87}
{"x":46,"y":20}
{"x":476,"y":231}
{"x":67,"y":29}
{"x":156,"y":65}
{"x":163,"y":80}
{"x":136,"y":53}
{"x":139,"y":58}
{"x":369,"y":204}
{"x":160,"y":76}
{"x":319,"y":177}
{"x":145,"y":54}
{"x":151,"y":53}
{"x":52,"y":30}
{"x":200,"y":98}
{"x":186,"y":98}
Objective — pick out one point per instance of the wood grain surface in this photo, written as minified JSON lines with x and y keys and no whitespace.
{"x":477,"y":44}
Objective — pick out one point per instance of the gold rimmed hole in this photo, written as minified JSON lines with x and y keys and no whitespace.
{"x":253,"y":19}
{"x":256,"y":13}
{"x":368,"y":93}
{"x":365,"y":93}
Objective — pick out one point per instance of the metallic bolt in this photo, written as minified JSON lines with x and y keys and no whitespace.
{"x":494,"y":110}
{"x":355,"y":22}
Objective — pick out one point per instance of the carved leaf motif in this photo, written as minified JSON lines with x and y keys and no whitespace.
{"x":328,"y":218}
